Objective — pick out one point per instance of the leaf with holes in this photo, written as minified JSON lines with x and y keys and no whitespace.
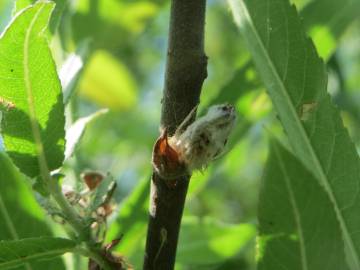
{"x":296,"y":80}
{"x":30,"y":93}
{"x":298,"y":227}
{"x":17,"y":252}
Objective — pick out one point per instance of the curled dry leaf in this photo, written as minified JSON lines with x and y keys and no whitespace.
{"x":92,"y":179}
{"x":166,"y":160}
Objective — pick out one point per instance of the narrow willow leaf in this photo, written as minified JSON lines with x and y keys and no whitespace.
{"x":55,"y":18}
{"x":72,"y":69}
{"x":298,"y":225}
{"x":30,"y":93}
{"x":327,"y":20}
{"x":18,"y":252}
{"x":17,"y":204}
{"x":76,"y":131}
{"x":324,"y":20}
{"x":21,"y":4}
{"x":296,"y":81}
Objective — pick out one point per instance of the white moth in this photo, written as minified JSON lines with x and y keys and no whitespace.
{"x":205,"y":139}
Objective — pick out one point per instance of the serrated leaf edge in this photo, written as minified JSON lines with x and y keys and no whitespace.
{"x":238,"y":8}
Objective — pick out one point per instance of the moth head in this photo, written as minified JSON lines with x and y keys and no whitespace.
{"x":222,"y":114}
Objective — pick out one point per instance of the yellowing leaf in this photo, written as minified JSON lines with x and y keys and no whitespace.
{"x":128,"y":15}
{"x":108,"y":83}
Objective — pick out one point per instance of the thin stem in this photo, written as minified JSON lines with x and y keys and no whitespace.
{"x":94,"y":254}
{"x":71,"y":215}
{"x":79,"y":226}
{"x":100,"y":260}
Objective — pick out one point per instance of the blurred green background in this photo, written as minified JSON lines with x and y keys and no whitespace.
{"x":111,"y":54}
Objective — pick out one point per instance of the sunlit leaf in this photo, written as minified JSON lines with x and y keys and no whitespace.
{"x":132,"y":14}
{"x":56,"y":16}
{"x":298,"y":224}
{"x":17,"y":252}
{"x":72,"y":69}
{"x":296,"y":81}
{"x":76,"y":131}
{"x":108,"y":82}
{"x":21,"y":4}
{"x":30,"y":93}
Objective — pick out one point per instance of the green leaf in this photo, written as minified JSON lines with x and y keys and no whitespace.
{"x":30,"y":92}
{"x":244,"y":80}
{"x":21,"y":4}
{"x":55,"y":18}
{"x":324,"y":20}
{"x":108,"y":82}
{"x":207,"y":241}
{"x":101,"y":19}
{"x":327,"y":20}
{"x":73,"y":68}
{"x":298,"y":225}
{"x":20,"y":215}
{"x":296,"y":81}
{"x":18,"y":252}
{"x":76,"y":131}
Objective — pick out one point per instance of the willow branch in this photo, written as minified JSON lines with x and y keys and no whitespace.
{"x":185,"y":74}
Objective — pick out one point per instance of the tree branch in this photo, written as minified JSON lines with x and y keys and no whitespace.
{"x":185,"y":74}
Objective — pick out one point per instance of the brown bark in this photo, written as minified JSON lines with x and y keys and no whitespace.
{"x":185,"y":74}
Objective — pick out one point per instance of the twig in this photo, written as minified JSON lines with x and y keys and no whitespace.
{"x":78,"y":224}
{"x":185,"y":73}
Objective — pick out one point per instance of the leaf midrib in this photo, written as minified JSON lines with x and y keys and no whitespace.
{"x":304,"y":261}
{"x":44,"y":254}
{"x":44,"y":170}
{"x":10,"y":225}
{"x":318,"y":168}
{"x":8,"y":220}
